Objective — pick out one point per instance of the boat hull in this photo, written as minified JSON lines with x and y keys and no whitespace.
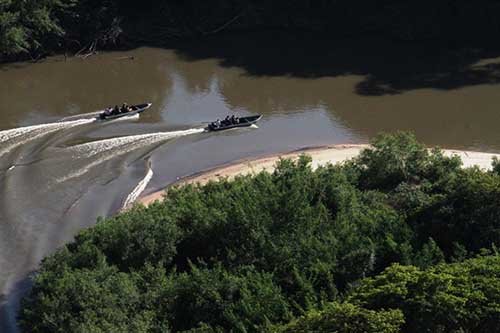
{"x":136,"y":109}
{"x":244,"y":122}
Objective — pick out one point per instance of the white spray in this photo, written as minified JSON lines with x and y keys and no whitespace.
{"x":12,"y":138}
{"x":104,"y":150}
{"x":141,"y":186}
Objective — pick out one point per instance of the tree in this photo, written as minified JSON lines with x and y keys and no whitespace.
{"x":97,"y":300}
{"x":496,"y":165}
{"x":346,"y":318}
{"x":459,"y":297}
{"x":430,"y":255}
{"x":25,"y":25}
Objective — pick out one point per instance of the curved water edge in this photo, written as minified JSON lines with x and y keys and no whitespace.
{"x":100,"y":151}
{"x":10,"y":139}
{"x":71,"y":172}
{"x":321,"y":155}
{"x":141,"y":186}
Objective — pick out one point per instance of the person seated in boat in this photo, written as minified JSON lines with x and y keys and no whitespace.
{"x":108,"y":111}
{"x":125,"y":108}
{"x":116,"y":110}
{"x":234,"y":120}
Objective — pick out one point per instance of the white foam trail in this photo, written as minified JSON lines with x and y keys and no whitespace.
{"x":28,"y":133}
{"x":105,"y":150}
{"x":90,"y":149}
{"x":141,"y":186}
{"x":126,"y":118}
{"x":82,"y":116}
{"x":96,"y":114}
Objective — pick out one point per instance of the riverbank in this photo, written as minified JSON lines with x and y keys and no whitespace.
{"x":33,"y":28}
{"x":320,"y":156}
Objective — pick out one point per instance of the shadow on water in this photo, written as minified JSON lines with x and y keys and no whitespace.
{"x":388,"y":67}
{"x":10,"y":304}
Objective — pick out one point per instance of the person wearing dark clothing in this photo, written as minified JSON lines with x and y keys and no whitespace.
{"x":215,"y":124}
{"x":125,"y":108}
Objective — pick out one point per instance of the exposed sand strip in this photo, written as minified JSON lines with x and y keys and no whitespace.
{"x":320,"y":156}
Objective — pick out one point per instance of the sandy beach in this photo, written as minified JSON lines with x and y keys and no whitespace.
{"x":320,"y":156}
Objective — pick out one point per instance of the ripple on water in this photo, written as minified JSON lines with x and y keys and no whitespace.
{"x":105,"y":150}
{"x":16,"y":137}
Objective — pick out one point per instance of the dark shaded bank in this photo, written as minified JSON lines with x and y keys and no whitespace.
{"x":32,"y":28}
{"x":8,"y":314}
{"x":388,"y":66}
{"x":403,"y":20}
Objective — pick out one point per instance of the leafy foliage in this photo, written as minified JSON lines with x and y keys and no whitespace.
{"x":25,"y":25}
{"x":251,"y":254}
{"x":36,"y":25}
{"x":460,"y":297}
{"x":98,"y":300}
{"x":347,"y":318}
{"x":496,"y":165}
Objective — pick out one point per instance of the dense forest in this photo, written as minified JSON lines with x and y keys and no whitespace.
{"x":31,"y":28}
{"x":399,"y":239}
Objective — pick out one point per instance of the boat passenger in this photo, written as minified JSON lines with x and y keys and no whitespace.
{"x":232,"y":119}
{"x":125,"y":108}
{"x":116,"y":110}
{"x":216,"y":124}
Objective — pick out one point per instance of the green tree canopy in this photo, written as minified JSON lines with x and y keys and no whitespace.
{"x":347,"y":318}
{"x":258,"y":251}
{"x":26,"y":24}
{"x":460,"y":297}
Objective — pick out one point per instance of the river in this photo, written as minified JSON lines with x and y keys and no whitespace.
{"x":60,"y":169}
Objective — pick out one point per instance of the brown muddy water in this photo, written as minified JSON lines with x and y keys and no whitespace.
{"x":60,"y":169}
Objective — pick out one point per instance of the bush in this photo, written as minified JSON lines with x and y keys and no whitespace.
{"x":25,"y":25}
{"x":347,"y":318}
{"x":460,"y":297}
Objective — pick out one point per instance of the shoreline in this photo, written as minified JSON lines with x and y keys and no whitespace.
{"x":320,"y":155}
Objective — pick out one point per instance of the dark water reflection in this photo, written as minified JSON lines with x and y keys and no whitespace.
{"x":387,"y":67}
{"x":311,"y":91}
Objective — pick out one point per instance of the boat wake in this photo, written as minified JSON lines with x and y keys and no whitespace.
{"x":81,"y":116}
{"x":95,"y":115}
{"x":104,"y":150}
{"x":12,"y":138}
{"x":141,"y":186}
{"x":96,"y":147}
{"x":126,"y":118}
